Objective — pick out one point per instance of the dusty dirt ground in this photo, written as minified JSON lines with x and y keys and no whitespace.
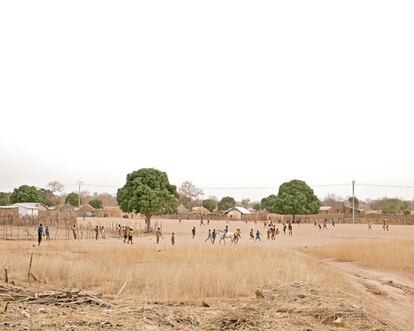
{"x":374,"y":300}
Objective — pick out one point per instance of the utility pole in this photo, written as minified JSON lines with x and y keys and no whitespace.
{"x":79,"y":196}
{"x":353,"y":202}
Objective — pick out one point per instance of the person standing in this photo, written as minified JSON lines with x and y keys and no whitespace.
{"x":74,"y":231}
{"x":158,"y":235}
{"x":39,"y":234}
{"x":130,"y":235}
{"x":290,"y":229}
{"x":284,"y":228}
{"x":125,"y":232}
{"x":47,"y":232}
{"x":96,"y":232}
{"x":172,"y":239}
{"x":251,"y":234}
{"x":193,"y":231}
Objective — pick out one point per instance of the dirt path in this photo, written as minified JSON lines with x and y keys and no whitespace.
{"x":388,"y":293}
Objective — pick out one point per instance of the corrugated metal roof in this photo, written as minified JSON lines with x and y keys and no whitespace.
{"x":325,"y":208}
{"x":240,"y":209}
{"x":27,"y":205}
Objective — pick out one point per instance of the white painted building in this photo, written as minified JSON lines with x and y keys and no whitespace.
{"x":29,"y":208}
{"x":235,"y":213}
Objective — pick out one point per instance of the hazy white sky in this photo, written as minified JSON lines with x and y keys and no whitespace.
{"x":222,"y":93}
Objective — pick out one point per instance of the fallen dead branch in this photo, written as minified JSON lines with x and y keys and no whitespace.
{"x":62,"y":298}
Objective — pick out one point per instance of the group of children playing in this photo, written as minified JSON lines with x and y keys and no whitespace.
{"x":126,"y":232}
{"x":272,"y":231}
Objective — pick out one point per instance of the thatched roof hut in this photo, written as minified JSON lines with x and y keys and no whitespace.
{"x":200,"y":211}
{"x":182,"y":210}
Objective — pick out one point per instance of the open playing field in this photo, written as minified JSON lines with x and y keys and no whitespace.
{"x":345,"y":277}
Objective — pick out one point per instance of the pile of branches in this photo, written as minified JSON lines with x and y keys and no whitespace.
{"x":347,"y":316}
{"x":167,"y":317}
{"x":246,"y":318}
{"x":61,"y":298}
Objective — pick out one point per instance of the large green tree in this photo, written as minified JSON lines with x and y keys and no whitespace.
{"x":96,"y":203}
{"x":25,"y":193}
{"x":72,"y":199}
{"x":210,"y":204}
{"x":4,"y":199}
{"x":148,"y":191}
{"x":296,"y":198}
{"x":226,"y":203}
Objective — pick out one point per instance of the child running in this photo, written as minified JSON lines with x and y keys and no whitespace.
{"x":251,"y":234}
{"x":213,"y":236}
{"x":258,"y":234}
{"x":208,"y":235}
{"x":130,"y":235}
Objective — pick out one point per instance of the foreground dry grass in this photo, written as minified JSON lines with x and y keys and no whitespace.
{"x":168,"y":273}
{"x":167,"y":287}
{"x":392,"y":255}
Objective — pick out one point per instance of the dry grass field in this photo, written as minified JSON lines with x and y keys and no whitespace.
{"x":338,"y":279}
{"x":391,"y":255}
{"x":187,"y":272}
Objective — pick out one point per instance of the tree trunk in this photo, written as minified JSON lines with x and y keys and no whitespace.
{"x":148,"y":223}
{"x":293,"y":220}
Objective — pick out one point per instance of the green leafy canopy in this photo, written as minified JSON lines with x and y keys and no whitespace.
{"x":25,"y":193}
{"x":294,"y":198}
{"x":148,"y":191}
{"x":226,"y":203}
{"x":72,"y":199}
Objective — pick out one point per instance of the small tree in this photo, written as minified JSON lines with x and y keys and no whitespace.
{"x":257,"y":206}
{"x":295,"y":198}
{"x":148,"y":191}
{"x":47,"y":197}
{"x":210,"y":204}
{"x":4,"y":199}
{"x":25,"y":193}
{"x":72,"y":199}
{"x":245,"y":203}
{"x":356,"y":202}
{"x":55,"y":186}
{"x":96,"y":203}
{"x":189,"y":193}
{"x":226,"y":203}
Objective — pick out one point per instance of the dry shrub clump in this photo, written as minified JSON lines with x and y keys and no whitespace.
{"x":165,"y":273}
{"x":393,"y":255}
